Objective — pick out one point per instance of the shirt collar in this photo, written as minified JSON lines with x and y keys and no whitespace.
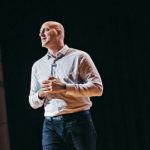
{"x":60,"y":53}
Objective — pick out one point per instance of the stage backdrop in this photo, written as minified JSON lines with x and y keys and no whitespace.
{"x":117,"y":37}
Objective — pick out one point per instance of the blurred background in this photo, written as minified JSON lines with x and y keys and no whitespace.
{"x":115,"y":34}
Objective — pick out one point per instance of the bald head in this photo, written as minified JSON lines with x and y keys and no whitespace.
{"x":52,"y":34}
{"x":53,"y":24}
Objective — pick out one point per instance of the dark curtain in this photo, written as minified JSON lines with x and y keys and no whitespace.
{"x":115,"y":34}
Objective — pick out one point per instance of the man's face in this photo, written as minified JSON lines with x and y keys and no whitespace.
{"x":48,"y":34}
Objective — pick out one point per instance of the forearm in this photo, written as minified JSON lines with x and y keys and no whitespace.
{"x":35,"y":101}
{"x":92,"y":83}
{"x":84,"y":90}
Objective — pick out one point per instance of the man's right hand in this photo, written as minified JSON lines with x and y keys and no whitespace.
{"x":44,"y":90}
{"x":52,"y":85}
{"x":42,"y":93}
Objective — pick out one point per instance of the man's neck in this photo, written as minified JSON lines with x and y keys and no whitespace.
{"x":53,"y":49}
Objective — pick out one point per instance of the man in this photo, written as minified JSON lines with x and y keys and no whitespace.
{"x":62,"y":81}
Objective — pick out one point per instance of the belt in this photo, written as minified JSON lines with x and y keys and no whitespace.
{"x":68,"y":116}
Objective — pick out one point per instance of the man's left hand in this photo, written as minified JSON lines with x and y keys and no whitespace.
{"x":54,"y":85}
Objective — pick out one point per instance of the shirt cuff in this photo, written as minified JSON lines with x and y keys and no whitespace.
{"x":70,"y":89}
{"x":37,"y":97}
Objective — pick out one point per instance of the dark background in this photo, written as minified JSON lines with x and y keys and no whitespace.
{"x":115,"y":34}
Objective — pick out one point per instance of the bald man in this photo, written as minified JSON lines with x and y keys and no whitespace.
{"x":63,"y":81}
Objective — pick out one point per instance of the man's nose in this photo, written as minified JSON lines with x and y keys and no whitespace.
{"x":41,"y":34}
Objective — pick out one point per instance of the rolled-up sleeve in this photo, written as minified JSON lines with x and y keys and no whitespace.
{"x":34,"y":101}
{"x":92,"y":85}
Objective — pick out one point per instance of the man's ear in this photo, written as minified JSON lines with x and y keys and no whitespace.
{"x":53,"y":32}
{"x":59,"y":31}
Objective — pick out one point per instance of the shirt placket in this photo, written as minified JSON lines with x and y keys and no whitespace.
{"x":53,"y":69}
{"x":54,"y":65}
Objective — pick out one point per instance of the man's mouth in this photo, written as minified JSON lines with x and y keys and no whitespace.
{"x":43,"y":39}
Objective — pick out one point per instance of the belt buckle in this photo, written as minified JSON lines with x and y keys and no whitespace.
{"x":48,"y":118}
{"x":57,"y":117}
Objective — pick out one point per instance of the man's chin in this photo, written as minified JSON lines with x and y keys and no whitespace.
{"x":44,"y":45}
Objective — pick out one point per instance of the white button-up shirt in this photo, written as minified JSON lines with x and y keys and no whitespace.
{"x":77,"y":70}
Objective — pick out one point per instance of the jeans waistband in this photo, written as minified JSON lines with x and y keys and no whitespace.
{"x":68,"y":116}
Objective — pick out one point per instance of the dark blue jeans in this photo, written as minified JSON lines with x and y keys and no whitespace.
{"x":69,"y":133}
